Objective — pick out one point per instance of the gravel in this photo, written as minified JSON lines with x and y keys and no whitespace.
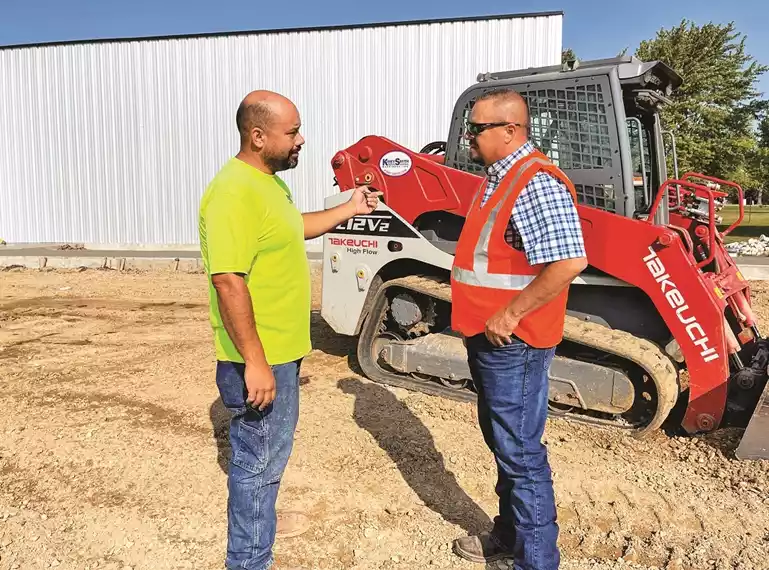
{"x":752,"y":247}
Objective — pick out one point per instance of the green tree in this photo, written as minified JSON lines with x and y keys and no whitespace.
{"x":567,"y":55}
{"x":760,"y":161}
{"x":714,"y":112}
{"x":763,"y":132}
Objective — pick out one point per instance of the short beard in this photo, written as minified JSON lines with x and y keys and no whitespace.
{"x":281,"y":163}
{"x":477,"y":160}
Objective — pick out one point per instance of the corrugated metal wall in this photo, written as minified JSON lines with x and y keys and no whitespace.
{"x":114,"y":143}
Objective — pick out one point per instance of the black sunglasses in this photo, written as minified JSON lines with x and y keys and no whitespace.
{"x":474,"y":129}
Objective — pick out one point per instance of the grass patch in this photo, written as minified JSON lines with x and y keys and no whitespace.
{"x":755,"y":223}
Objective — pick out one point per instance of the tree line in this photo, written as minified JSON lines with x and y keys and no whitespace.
{"x":719,"y":118}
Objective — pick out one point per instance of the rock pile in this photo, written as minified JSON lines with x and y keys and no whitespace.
{"x":753,"y":246}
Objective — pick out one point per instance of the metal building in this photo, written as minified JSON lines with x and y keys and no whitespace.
{"x":113,"y":142}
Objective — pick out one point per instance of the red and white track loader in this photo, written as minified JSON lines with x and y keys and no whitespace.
{"x":659,"y":329}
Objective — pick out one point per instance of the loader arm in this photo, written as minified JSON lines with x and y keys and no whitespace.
{"x":386,"y":166}
{"x":655,"y":260}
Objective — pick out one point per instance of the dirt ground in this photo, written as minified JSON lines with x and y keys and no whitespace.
{"x":113,"y":450}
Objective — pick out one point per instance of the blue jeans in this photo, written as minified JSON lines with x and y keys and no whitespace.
{"x":261,"y":445}
{"x":512,"y":385}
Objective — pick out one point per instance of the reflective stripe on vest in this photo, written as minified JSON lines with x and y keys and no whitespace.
{"x":479,"y":275}
{"x":494,"y":280}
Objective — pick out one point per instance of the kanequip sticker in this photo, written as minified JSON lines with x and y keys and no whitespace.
{"x":395,"y":163}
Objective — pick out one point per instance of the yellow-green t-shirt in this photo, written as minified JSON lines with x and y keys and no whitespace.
{"x":249,"y":224}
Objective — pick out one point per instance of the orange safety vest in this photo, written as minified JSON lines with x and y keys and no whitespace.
{"x":488,"y":273}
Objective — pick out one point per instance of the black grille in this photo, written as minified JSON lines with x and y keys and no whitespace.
{"x":462,"y":159}
{"x":570,"y":125}
{"x":598,"y":196}
{"x":573,"y":124}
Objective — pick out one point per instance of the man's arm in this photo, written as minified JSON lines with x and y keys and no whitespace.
{"x":362,"y":201}
{"x":546,"y":286}
{"x":548,"y":222}
{"x":318,"y":223}
{"x":237,"y":313}
{"x":231,"y":238}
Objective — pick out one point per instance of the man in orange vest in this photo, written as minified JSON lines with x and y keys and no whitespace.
{"x":520,"y":248}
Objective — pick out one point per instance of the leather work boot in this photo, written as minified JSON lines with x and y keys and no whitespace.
{"x":291,"y":524}
{"x":482,"y":548}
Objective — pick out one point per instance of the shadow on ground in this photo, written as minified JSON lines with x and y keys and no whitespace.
{"x":220,"y":423}
{"x":726,"y":440}
{"x":327,"y":341}
{"x":410,"y":445}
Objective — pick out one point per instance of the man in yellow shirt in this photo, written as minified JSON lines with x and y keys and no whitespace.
{"x":252,"y":244}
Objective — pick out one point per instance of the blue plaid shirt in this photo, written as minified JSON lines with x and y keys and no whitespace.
{"x":545,"y":223}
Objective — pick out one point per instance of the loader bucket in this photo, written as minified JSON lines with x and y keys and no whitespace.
{"x":755,"y":441}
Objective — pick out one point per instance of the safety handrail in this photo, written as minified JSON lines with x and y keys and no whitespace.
{"x":740,"y":195}
{"x":693,"y":188}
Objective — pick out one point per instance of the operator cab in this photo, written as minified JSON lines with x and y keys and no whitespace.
{"x":645,"y":90}
{"x":597,"y":120}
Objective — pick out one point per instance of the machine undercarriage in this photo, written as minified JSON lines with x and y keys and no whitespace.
{"x":599,"y":375}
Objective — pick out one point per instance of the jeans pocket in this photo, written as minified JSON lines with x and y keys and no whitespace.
{"x":231,"y":382}
{"x":502,"y":360}
{"x":250,"y":442}
{"x":515,"y":342}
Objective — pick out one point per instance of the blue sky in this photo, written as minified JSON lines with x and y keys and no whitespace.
{"x":592,"y":28}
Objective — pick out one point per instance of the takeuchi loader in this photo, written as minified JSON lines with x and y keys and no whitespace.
{"x":659,"y":328}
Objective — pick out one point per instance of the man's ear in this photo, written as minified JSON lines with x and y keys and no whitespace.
{"x":509,"y":133}
{"x":257,"y":138}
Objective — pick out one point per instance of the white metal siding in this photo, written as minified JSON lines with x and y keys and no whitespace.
{"x":114,"y":143}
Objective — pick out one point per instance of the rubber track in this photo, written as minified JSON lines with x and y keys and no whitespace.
{"x":640,"y":351}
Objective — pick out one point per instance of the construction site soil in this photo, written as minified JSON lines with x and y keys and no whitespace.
{"x":113,"y":451}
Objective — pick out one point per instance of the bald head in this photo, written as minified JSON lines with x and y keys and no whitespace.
{"x":260,"y":109}
{"x":506,"y":105}
{"x":269,"y":125}
{"x":501,"y":119}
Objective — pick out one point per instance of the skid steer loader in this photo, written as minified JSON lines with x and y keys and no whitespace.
{"x":659,"y":329}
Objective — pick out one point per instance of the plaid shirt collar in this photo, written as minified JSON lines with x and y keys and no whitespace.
{"x":497,"y":171}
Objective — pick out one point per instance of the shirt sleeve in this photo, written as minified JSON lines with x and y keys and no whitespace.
{"x":547,"y":220}
{"x":231,"y":235}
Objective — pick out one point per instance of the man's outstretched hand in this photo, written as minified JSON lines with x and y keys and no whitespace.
{"x":364,"y":199}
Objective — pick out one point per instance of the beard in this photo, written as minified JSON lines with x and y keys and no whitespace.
{"x":281,"y":162}
{"x":475,"y":156}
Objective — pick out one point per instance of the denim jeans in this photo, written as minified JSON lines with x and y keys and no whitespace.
{"x":261,"y":445}
{"x":512,"y":385}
